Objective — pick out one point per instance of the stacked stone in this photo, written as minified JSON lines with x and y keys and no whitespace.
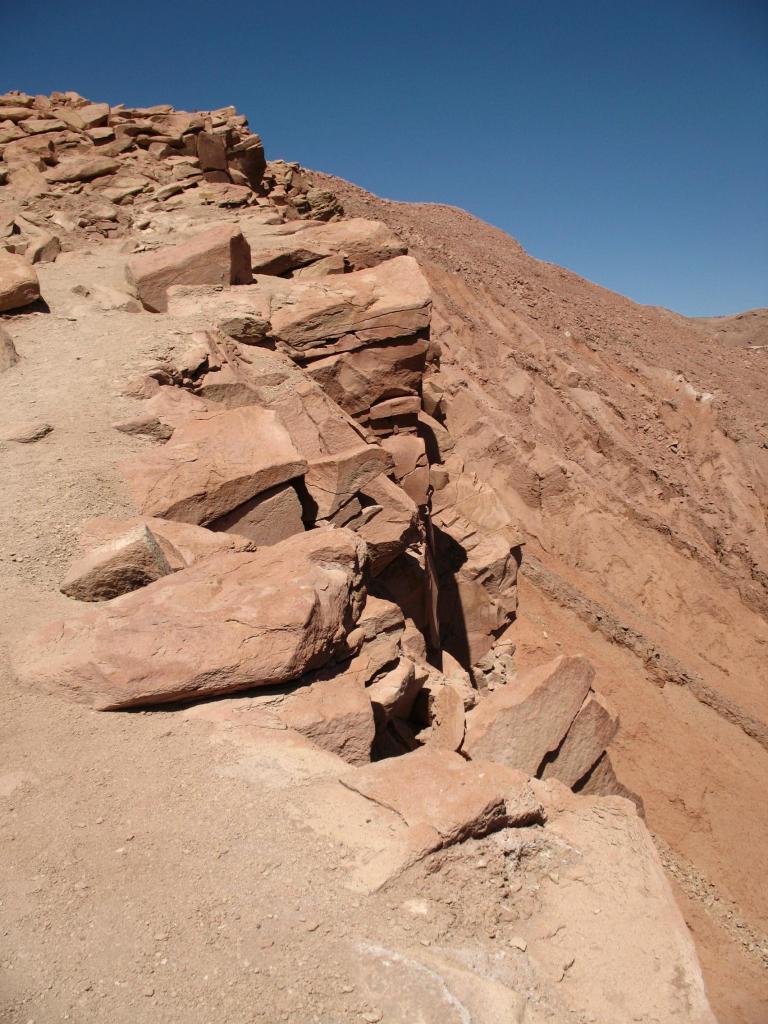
{"x":74,"y":169}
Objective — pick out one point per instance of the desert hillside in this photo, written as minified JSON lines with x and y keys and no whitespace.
{"x":384,"y":620}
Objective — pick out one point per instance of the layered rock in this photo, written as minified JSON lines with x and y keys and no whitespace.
{"x":234,"y":621}
{"x":120,"y":555}
{"x":218,"y":256}
{"x":213,"y":463}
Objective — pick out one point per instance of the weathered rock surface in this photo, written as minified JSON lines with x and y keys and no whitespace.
{"x":360,"y":243}
{"x":121,"y":555}
{"x":591,"y":731}
{"x":333,"y":480}
{"x":19,"y":285}
{"x":234,"y":621}
{"x":335,"y":714}
{"x":218,"y":256}
{"x":266,"y":519}
{"x":439,"y":792}
{"x":344,"y":312}
{"x":520,"y":724}
{"x":213,"y":463}
{"x":116,"y":567}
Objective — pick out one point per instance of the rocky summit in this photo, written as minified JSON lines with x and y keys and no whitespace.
{"x":418,"y":566}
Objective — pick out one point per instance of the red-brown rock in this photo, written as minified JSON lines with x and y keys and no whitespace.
{"x":19,"y":286}
{"x":218,"y":256}
{"x":214,"y":462}
{"x":519,"y":724}
{"x":235,"y":621}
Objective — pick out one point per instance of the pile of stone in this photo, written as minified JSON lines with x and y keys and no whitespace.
{"x":72,"y":170}
{"x":303,"y":522}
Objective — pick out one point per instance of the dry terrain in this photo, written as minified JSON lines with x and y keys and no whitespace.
{"x":289,"y":832}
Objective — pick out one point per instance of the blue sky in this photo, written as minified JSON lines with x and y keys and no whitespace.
{"x":627,"y":141}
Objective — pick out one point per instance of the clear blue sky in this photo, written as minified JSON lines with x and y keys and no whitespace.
{"x":625,"y":140}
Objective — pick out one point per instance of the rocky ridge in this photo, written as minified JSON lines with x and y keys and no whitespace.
{"x":307,"y":532}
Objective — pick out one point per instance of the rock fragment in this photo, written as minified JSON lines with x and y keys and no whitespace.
{"x":126,"y":563}
{"x":520,"y":724}
{"x":8,"y":354}
{"x":217,"y":256}
{"x":335,"y":714}
{"x":591,"y":731}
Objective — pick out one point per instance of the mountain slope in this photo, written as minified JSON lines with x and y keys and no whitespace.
{"x":632,"y":445}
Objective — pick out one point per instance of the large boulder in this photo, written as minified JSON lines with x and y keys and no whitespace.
{"x":19,"y":285}
{"x":116,"y":567}
{"x":358,"y":379}
{"x":332,"y":480}
{"x":266,"y":519}
{"x":520,"y":724}
{"x":344,"y":312}
{"x":281,"y":248}
{"x":217,"y":256}
{"x":82,"y":169}
{"x":214,"y":462}
{"x":235,"y":621}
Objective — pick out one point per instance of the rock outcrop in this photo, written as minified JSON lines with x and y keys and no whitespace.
{"x":234,"y":621}
{"x":316,"y":528}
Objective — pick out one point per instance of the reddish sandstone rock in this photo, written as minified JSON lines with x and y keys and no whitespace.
{"x":116,"y":567}
{"x":347,"y":311}
{"x":218,"y":256}
{"x":393,"y":694}
{"x":82,"y":169}
{"x":591,"y":731}
{"x":163,"y":412}
{"x":388,"y":522}
{"x":357,"y":243}
{"x":18,"y":282}
{"x":440,"y":791}
{"x":214,"y":462}
{"x":360,"y":378}
{"x":335,"y":714}
{"x":121,"y":555}
{"x":333,"y":479}
{"x":234,"y":621}
{"x":266,"y":519}
{"x":519,"y":724}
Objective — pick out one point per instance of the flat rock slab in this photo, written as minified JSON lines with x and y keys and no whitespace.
{"x":280,"y":248}
{"x":218,"y":256}
{"x":214,"y":462}
{"x":519,"y":724}
{"x":440,"y":791}
{"x":232,"y":622}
